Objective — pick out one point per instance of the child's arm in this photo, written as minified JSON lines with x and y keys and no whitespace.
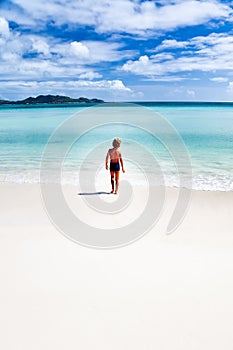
{"x":122,"y":164}
{"x":106,"y":160}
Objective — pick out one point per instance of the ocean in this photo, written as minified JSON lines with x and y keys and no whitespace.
{"x":206,"y":130}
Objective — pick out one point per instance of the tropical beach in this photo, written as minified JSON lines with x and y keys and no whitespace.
{"x":116,"y":175}
{"x":57,"y":291}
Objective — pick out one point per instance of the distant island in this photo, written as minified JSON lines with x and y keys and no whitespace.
{"x":50,"y":99}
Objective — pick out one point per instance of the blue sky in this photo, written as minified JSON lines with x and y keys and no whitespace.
{"x":117,"y":50}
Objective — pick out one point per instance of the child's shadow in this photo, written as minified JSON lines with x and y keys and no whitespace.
{"x":92,"y":193}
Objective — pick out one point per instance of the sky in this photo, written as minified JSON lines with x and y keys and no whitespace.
{"x":117,"y":50}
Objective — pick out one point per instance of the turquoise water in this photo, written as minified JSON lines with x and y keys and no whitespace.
{"x":206,"y":129}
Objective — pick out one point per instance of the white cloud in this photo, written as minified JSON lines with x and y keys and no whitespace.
{"x":88,"y":52}
{"x":118,"y":85}
{"x":184,"y":93}
{"x":101,"y":51}
{"x":4,"y":28}
{"x":143,"y":66}
{"x":191,"y":93}
{"x":74,"y":88}
{"x":230,"y":87}
{"x":203,"y":54}
{"x":165,"y":78}
{"x":115,"y":85}
{"x":41,"y":46}
{"x":129,"y":16}
{"x":171,"y":44}
{"x":27,"y":56}
{"x":90,"y":75}
{"x":80,"y":50}
{"x":219,"y":79}
{"x":163,"y":56}
{"x":101,"y":84}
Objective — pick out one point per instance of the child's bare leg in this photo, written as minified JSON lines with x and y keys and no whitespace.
{"x":117,"y":181}
{"x":112,"y":181}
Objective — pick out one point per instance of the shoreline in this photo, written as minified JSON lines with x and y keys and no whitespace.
{"x":207,"y":222}
{"x":137,"y":185}
{"x":11,"y":193}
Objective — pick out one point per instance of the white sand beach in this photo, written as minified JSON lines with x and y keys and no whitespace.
{"x":161,"y":292}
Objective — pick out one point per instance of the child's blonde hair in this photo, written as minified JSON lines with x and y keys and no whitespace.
{"x":116,"y":142}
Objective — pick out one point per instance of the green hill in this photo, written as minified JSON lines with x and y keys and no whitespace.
{"x":51,"y":99}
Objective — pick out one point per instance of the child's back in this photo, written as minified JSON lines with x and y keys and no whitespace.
{"x":114,"y":154}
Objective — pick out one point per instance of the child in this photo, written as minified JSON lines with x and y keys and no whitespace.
{"x":115,"y":157}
